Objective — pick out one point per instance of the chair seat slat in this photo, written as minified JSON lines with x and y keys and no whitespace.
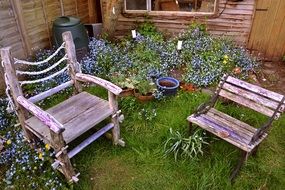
{"x":77,"y":114}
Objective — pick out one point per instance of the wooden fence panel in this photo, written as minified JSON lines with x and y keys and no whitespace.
{"x":10,"y":35}
{"x":9,"y":31}
{"x":268,"y":30}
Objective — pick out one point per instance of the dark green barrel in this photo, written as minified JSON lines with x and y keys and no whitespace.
{"x":79,"y":33}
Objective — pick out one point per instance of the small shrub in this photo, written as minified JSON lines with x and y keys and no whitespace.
{"x":185,"y":147}
{"x":147,"y":114}
{"x":148,"y":29}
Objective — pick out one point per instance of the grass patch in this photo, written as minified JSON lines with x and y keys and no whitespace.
{"x":142,"y":165}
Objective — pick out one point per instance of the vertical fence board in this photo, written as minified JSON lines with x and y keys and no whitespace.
{"x":268,"y":30}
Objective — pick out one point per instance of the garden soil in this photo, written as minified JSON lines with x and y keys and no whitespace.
{"x":272,"y":76}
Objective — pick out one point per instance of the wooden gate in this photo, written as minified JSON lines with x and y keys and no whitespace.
{"x":268,"y":29}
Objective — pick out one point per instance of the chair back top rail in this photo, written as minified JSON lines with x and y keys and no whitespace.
{"x":256,"y":89}
{"x":253,"y":97}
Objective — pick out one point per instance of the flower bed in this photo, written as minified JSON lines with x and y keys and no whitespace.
{"x":203,"y":58}
{"x":24,"y":165}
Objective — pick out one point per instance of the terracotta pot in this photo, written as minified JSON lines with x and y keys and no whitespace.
{"x":127,"y":92}
{"x":144,"y":98}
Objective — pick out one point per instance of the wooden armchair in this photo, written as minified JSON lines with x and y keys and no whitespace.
{"x":234,"y":131}
{"x":63,"y":123}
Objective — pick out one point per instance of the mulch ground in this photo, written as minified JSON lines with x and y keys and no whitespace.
{"x":272,"y":76}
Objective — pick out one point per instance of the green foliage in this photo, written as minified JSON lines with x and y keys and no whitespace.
{"x":145,"y":86}
{"x":25,"y":167}
{"x":147,"y":28}
{"x":185,"y":147}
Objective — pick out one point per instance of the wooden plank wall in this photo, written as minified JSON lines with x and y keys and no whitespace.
{"x":10,"y":34}
{"x":234,"y":19}
{"x":28,"y":23}
{"x":268,"y":30}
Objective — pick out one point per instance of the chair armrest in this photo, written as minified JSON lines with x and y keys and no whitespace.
{"x":42,"y":115}
{"x":101,"y":82}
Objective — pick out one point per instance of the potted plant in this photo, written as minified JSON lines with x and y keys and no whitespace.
{"x":127,"y":84}
{"x":144,"y":90}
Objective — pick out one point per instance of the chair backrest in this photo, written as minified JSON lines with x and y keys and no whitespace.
{"x":254,"y":97}
{"x":13,"y":76}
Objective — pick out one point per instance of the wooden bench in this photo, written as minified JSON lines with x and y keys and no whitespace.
{"x":234,"y":131}
{"x":65,"y":122}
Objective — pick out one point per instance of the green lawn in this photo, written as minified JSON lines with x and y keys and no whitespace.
{"x":142,"y":164}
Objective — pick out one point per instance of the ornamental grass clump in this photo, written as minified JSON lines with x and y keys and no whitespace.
{"x":181,"y":146}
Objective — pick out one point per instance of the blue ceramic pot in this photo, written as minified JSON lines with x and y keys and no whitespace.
{"x":167,"y":85}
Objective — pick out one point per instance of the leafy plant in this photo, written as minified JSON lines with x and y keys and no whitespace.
{"x":207,"y":58}
{"x":147,"y":114}
{"x":147,"y":28}
{"x":145,"y":86}
{"x":185,"y":147}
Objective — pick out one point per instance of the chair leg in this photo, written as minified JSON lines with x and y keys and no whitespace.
{"x":62,"y":157}
{"x":116,"y":132}
{"x":235,"y":172}
{"x":254,"y":152}
{"x":66,"y":166}
{"x":115,"y":119}
{"x":191,"y":128}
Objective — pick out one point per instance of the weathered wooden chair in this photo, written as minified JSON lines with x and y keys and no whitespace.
{"x":234,"y":131}
{"x":63,"y":123}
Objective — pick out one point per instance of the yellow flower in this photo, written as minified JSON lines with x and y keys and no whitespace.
{"x":225,"y":62}
{"x":8,"y":141}
{"x":226,"y":57}
{"x":47,"y":146}
{"x":41,"y":156}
